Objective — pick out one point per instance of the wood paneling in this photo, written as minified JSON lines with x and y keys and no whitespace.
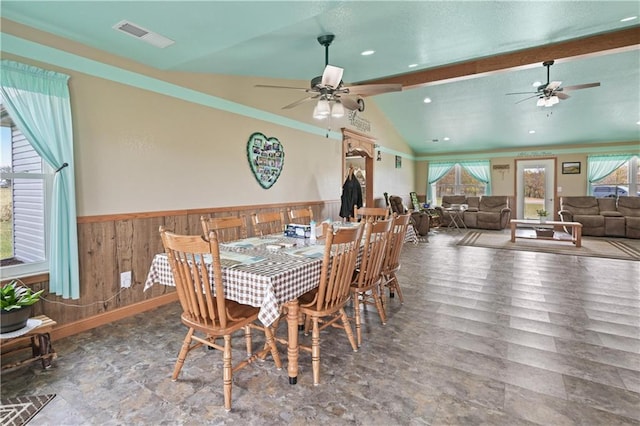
{"x":109,"y":245}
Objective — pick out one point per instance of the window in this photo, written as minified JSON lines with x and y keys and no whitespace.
{"x":23,"y":187}
{"x":458,"y":181}
{"x":624,"y":180}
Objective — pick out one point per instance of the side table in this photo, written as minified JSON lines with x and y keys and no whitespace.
{"x":37,"y":339}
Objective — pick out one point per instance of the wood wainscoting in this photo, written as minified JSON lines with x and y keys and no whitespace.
{"x":111,"y":244}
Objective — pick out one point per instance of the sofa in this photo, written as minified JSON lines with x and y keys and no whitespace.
{"x":420,"y":220}
{"x":603,"y":217}
{"x":485,"y":212}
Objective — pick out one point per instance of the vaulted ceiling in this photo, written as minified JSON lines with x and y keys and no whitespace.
{"x":464,"y":56}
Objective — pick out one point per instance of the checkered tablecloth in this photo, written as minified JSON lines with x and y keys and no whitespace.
{"x":267,"y":284}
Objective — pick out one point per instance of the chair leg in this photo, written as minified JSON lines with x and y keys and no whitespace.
{"x":347,"y":329}
{"x":383,"y":316}
{"x":315,"y":351}
{"x":247,"y":337}
{"x":227,"y":372}
{"x":184,"y":350}
{"x":356,"y":313}
{"x":307,"y":325}
{"x":268,"y":333}
{"x":394,"y":286}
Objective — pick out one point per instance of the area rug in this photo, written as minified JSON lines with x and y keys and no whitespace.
{"x":614,"y":248}
{"x":19,"y":410}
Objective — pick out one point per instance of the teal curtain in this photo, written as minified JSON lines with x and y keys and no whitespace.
{"x":38,"y":102}
{"x":480,"y":170}
{"x":601,"y":166}
{"x":436,"y":172}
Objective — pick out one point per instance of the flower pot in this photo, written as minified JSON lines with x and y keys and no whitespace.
{"x":14,"y":319}
{"x":543,"y":219}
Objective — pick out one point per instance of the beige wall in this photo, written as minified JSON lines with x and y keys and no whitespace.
{"x":141,"y":151}
{"x":504,"y":180}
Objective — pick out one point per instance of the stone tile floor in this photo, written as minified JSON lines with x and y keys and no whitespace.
{"x":485,"y":336}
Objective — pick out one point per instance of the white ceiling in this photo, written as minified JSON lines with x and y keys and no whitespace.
{"x":278,"y":40}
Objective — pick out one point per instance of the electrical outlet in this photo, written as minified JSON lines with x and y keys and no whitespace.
{"x":125,"y":279}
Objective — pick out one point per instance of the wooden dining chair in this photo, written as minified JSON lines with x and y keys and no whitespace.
{"x":324,"y":305}
{"x":229,"y":228}
{"x":367,"y":285}
{"x":392,"y":258}
{"x":364,"y":213}
{"x":267,"y":223}
{"x":207,"y":313}
{"x":301,"y":216}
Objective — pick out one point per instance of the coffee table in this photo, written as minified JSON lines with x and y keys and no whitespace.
{"x":576,"y":230}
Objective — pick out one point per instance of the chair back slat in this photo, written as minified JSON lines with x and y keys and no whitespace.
{"x":228,"y":228}
{"x":300,"y":216}
{"x":376,"y":237}
{"x":338,"y":264}
{"x":396,"y":241}
{"x":267,"y":223}
{"x":188,"y":256}
{"x":364,"y":213}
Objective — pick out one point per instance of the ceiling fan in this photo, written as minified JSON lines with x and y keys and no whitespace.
{"x":329,"y":88}
{"x":550,"y":93}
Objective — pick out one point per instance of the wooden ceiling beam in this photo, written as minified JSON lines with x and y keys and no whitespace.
{"x":599,"y":44}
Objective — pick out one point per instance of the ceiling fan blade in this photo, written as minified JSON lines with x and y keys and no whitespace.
{"x":582,"y":86}
{"x":526,"y":99}
{"x":373,"y":89}
{"x":349,"y":103}
{"x":562,"y":95}
{"x":521,"y":93}
{"x":300,"y":101}
{"x":280,"y":87}
{"x":332,"y":76}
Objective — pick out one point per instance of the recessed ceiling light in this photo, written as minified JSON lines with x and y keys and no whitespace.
{"x":446,"y":138}
{"x":413,"y":65}
{"x":368,"y":52}
{"x":427,"y":100}
{"x":638,"y":122}
{"x":628,"y":18}
{"x":531,"y":132}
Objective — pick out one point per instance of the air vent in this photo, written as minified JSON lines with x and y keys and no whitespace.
{"x":135,"y":30}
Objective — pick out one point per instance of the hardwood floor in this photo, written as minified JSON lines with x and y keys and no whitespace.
{"x":485,"y":336}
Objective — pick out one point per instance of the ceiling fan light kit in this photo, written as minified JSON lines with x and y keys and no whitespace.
{"x":550,"y":101}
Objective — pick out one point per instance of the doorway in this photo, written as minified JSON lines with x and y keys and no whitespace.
{"x":357,"y":151}
{"x":535,"y":187}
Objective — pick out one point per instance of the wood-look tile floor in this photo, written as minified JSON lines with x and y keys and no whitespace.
{"x":485,"y":336}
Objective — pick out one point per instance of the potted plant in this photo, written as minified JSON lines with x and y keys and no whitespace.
{"x":542,"y":214}
{"x":15,"y":302}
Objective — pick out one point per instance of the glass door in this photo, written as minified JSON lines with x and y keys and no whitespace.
{"x":535,"y":188}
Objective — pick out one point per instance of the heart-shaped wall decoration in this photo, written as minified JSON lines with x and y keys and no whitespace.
{"x":266,"y":158}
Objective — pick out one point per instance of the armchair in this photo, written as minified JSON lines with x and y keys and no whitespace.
{"x":493,"y":212}
{"x":420,"y":220}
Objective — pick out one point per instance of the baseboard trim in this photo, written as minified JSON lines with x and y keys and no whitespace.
{"x":70,"y":329}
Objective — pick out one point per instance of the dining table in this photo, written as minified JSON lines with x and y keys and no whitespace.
{"x":267,"y":272}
